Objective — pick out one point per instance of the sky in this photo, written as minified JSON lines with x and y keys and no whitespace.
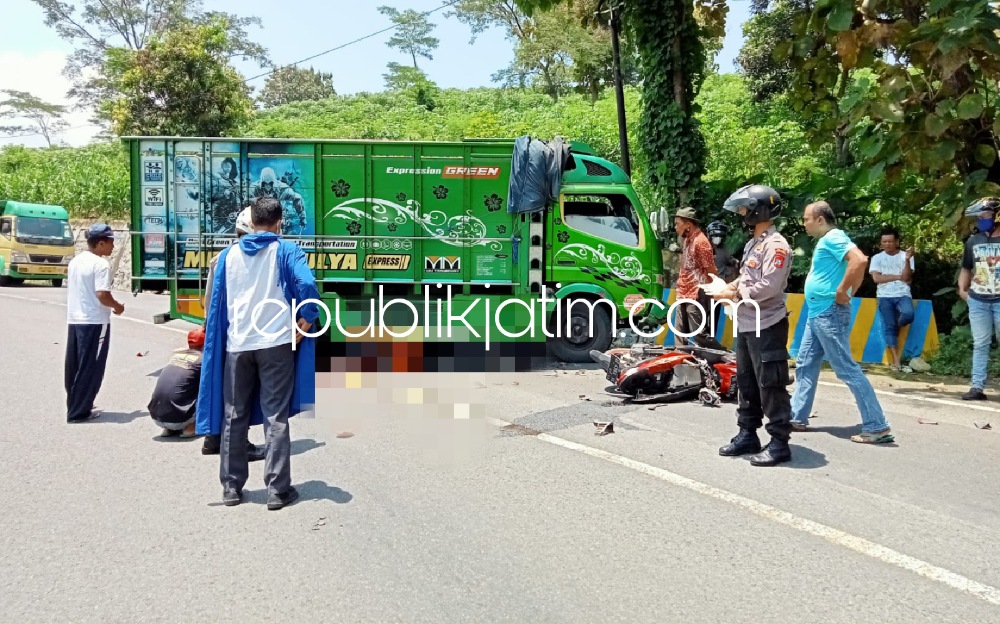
{"x":32,"y":55}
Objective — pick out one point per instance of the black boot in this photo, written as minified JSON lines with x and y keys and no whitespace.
{"x":746,"y":441}
{"x":256,"y":453}
{"x":776,"y":452}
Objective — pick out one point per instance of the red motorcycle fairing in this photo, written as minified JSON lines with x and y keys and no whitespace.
{"x":727,"y":374}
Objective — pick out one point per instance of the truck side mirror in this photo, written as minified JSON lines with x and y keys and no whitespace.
{"x":5,"y":228}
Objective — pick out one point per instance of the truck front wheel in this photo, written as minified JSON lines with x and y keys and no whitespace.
{"x":57,"y":283}
{"x":576,"y":344}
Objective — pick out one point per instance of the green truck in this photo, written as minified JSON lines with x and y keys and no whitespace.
{"x":36,"y":243}
{"x":419,"y":262}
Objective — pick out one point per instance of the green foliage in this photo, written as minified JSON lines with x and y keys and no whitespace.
{"x":745,"y":140}
{"x":180,"y":84}
{"x":295,"y":84}
{"x":954,"y":356}
{"x":766,"y":75}
{"x":929,"y":110}
{"x":90,"y":182}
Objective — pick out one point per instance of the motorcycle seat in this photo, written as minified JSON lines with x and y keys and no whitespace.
{"x":712,"y":356}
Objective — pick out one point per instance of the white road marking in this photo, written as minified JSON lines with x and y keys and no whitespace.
{"x":124,"y":318}
{"x":860,"y":545}
{"x":914,"y":397}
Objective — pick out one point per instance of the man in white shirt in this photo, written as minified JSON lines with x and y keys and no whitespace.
{"x":893,"y":271}
{"x":252,"y":370}
{"x":88,"y":313}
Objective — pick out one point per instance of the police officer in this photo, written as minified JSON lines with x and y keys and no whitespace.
{"x":761,"y":341}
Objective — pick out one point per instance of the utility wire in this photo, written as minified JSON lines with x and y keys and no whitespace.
{"x":349,"y":43}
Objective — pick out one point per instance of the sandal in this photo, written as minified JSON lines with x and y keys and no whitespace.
{"x":865,"y":437}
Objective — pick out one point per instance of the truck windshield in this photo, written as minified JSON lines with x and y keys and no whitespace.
{"x":42,"y":231}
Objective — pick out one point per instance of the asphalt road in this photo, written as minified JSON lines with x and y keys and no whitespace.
{"x":446,"y":515}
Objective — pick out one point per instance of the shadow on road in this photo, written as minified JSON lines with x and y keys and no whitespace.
{"x":300,"y":447}
{"x":119,"y":418}
{"x":844,"y":433}
{"x":321,"y":490}
{"x":806,"y":458}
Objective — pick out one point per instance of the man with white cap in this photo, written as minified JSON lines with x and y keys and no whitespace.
{"x":213,"y":443}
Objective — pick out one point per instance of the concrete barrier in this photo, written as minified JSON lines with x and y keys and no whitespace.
{"x":867,"y":337}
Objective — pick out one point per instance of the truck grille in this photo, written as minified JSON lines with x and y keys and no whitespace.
{"x":42,"y":259}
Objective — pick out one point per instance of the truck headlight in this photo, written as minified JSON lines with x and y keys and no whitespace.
{"x":17,"y":256}
{"x":67,"y":259}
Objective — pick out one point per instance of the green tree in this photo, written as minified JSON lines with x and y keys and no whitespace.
{"x":668,"y":38}
{"x":46,"y":118}
{"x":911,"y":84}
{"x":181,"y":84}
{"x":413,"y":31}
{"x":294,"y":84}
{"x":561,"y":50}
{"x":766,"y":75}
{"x":96,"y":27}
{"x":413,"y":82}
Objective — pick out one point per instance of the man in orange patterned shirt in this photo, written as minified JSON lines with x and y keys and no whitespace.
{"x":697,"y":267}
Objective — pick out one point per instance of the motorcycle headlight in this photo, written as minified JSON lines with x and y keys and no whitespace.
{"x":17,"y":256}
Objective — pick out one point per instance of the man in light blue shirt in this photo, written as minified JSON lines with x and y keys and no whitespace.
{"x":838,"y":267}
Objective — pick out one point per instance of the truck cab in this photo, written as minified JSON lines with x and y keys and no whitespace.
{"x":36,"y":243}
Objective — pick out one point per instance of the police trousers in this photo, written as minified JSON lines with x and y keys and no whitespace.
{"x":762,"y":377}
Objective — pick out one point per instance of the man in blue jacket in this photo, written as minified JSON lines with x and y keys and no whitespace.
{"x":258,"y":365}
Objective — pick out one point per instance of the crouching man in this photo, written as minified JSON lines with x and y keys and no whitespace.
{"x":176,"y":394}
{"x":173,"y":406}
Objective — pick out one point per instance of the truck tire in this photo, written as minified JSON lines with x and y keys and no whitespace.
{"x":57,"y":283}
{"x":582,"y":339}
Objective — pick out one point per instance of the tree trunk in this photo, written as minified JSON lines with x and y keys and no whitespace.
{"x":680,"y":92}
{"x":843,"y":148}
{"x":550,"y":86}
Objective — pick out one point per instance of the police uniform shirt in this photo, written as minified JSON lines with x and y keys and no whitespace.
{"x":763,"y":279}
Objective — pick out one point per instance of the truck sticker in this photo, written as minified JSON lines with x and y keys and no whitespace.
{"x":458,"y":231}
{"x":152,"y":170}
{"x":628,"y":269}
{"x":154,"y":198}
{"x":443,"y":264}
{"x":490,"y":173}
{"x":389,"y":262}
{"x":332,"y":261}
{"x":155,"y":243}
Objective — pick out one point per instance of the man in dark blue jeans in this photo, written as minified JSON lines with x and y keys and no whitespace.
{"x":979,"y":286}
{"x":892,"y":270}
{"x":838,"y":267}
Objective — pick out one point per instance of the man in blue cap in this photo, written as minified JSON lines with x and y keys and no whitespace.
{"x":88,"y":313}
